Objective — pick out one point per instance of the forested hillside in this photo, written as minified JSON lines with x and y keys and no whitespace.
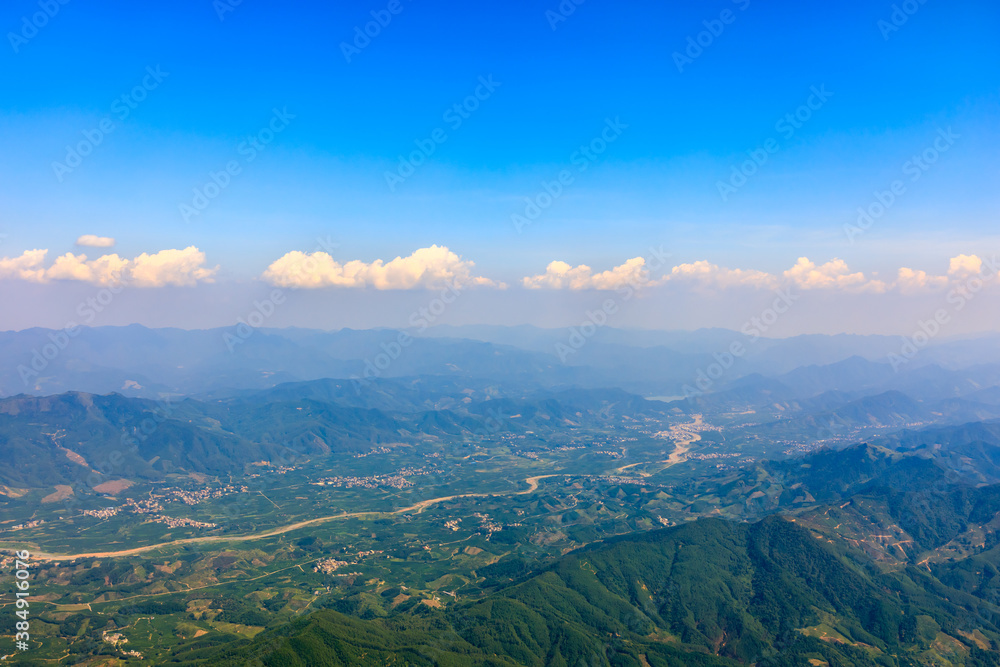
{"x":711,"y":592}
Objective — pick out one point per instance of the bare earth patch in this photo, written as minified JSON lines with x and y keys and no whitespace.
{"x":62,"y":493}
{"x":75,"y":458}
{"x":113,"y":486}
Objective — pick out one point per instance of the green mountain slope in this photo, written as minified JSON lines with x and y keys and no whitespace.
{"x":65,"y":438}
{"x":710,"y":592}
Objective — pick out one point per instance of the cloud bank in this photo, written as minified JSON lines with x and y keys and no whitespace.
{"x":182,"y":268}
{"x":431,"y":267}
{"x":560,"y":275}
{"x":805,"y":274}
{"x":436,"y":266}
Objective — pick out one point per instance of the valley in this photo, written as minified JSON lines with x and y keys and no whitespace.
{"x":405,"y":506}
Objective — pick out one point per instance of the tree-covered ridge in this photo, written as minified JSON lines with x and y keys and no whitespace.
{"x":710,"y":592}
{"x":61,"y":439}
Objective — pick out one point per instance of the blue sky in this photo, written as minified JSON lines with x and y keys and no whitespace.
{"x":323,"y":175}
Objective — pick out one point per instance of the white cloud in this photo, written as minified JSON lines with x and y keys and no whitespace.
{"x":171,"y":267}
{"x":804,"y":274}
{"x":960,"y":268}
{"x":92,"y":241}
{"x":426,"y":268}
{"x":909,"y":281}
{"x":26,"y":267}
{"x":713,"y":275}
{"x":964,"y":265}
{"x":833,"y":275}
{"x":105,"y":270}
{"x":560,"y":275}
{"x":168,"y":267}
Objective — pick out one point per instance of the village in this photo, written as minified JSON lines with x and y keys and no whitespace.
{"x":397,"y":480}
{"x":171,"y":522}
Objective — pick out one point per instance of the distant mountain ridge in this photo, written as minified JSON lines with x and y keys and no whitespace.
{"x":142,"y":362}
{"x":57,"y":439}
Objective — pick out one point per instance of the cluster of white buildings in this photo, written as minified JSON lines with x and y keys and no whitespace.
{"x":398,"y":480}
{"x":181,"y":523}
{"x":329,"y":565}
